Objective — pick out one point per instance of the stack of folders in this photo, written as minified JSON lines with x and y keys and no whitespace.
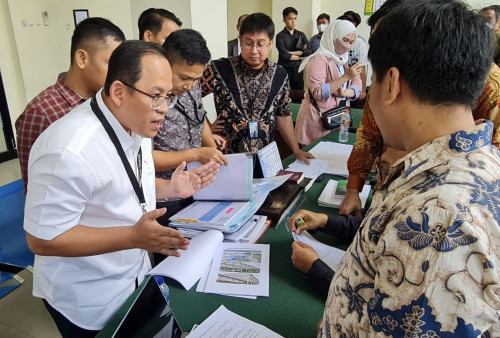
{"x":250,"y":232}
{"x":225,"y":204}
{"x":332,"y":195}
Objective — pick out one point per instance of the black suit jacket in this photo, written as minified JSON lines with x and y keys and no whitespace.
{"x":232,"y":47}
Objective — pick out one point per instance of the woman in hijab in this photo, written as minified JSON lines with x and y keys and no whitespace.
{"x":328,"y":79}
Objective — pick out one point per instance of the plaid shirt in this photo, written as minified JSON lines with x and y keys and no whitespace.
{"x":51,"y":104}
{"x":369,"y":143}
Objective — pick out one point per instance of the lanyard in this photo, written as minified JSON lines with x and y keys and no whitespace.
{"x":112,"y":135}
{"x":197,"y":120}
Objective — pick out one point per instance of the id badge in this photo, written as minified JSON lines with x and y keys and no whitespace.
{"x":253,"y":129}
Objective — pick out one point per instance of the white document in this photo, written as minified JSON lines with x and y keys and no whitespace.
{"x":328,"y":198}
{"x":312,"y":170}
{"x":203,"y":283}
{"x":232,"y":183}
{"x":240,"y":269}
{"x":331,"y":158}
{"x":336,"y":154}
{"x":270,"y":160}
{"x":224,"y":323}
{"x":188,"y":268}
{"x":328,"y":254}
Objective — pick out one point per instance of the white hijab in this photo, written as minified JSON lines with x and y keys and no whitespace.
{"x":336,"y":30}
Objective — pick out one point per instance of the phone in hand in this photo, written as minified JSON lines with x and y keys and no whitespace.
{"x":353,"y":57}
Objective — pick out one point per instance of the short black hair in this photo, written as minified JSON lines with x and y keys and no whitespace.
{"x":386,"y":7}
{"x":495,"y":8}
{"x":186,"y":45}
{"x":355,"y":17}
{"x":441,"y":48}
{"x":125,"y":61}
{"x":323,"y":16}
{"x":256,"y":23}
{"x":289,"y":10}
{"x":346,"y":18}
{"x":94,"y":30}
{"x":152,"y":19}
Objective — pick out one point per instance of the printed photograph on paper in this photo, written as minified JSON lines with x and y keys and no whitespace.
{"x":240,"y":267}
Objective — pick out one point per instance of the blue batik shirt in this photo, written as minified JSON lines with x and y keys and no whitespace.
{"x":425,"y":261}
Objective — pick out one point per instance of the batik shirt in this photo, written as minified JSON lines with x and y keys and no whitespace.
{"x":182,"y":127}
{"x":253,"y":89}
{"x":425,"y":261}
{"x":369,"y":142}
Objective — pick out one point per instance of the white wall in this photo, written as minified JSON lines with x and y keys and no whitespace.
{"x":9,"y":65}
{"x":38,"y":44}
{"x":235,"y":8}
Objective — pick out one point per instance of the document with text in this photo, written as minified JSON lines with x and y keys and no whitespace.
{"x":225,"y":323}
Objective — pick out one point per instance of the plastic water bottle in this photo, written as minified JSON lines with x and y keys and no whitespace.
{"x":344,"y":127}
{"x":163,"y":288}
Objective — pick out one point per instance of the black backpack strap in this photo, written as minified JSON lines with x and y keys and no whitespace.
{"x":279,"y":79}
{"x":228,"y":75}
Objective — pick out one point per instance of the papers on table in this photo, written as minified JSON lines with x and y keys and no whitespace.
{"x":250,"y":232}
{"x":193,"y":262}
{"x":328,"y":198}
{"x":238,"y":269}
{"x":233,"y":268}
{"x":224,"y":323}
{"x":225,"y":216}
{"x":328,"y":254}
{"x":331,"y":158}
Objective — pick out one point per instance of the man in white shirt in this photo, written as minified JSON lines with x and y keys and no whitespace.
{"x":87,"y":223}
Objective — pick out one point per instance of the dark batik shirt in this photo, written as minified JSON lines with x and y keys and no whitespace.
{"x":253,"y":89}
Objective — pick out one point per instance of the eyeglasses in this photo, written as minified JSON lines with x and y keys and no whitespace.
{"x":260,"y":46}
{"x":157,"y":101}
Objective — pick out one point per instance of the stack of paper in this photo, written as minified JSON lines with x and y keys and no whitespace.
{"x":240,"y":269}
{"x":224,"y":323}
{"x":330,"y":158}
{"x":328,"y":198}
{"x":250,"y":232}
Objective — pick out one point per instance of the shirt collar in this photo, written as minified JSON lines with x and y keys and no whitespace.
{"x":441,"y":150}
{"x":72,"y":97}
{"x":127,"y":141}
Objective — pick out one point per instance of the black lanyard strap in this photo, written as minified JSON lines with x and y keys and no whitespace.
{"x":192,"y":121}
{"x":112,"y":135}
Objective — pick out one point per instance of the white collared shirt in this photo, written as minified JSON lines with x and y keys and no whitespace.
{"x":77,"y":178}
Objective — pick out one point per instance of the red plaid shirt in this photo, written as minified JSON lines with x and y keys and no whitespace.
{"x":48,"y":106}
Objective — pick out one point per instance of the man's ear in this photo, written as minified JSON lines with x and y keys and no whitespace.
{"x":271,"y":43}
{"x":116,"y":92}
{"x":392,"y":85}
{"x":81,"y":58}
{"x":148,"y":35}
